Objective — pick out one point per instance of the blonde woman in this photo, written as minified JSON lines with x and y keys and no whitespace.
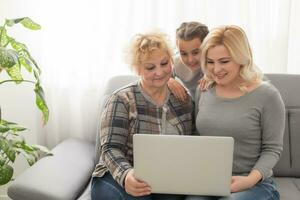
{"x":241,"y":105}
{"x":146,"y":106}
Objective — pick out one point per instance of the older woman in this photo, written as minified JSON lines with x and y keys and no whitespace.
{"x":239,"y":104}
{"x":146,"y":106}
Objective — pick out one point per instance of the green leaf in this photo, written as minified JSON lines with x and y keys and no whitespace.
{"x":14,"y":127}
{"x":17,"y":129}
{"x":27,"y":148}
{"x":7,"y":122}
{"x":42,"y":149}
{"x":2,"y":160}
{"x":7,"y":148}
{"x":18,"y":46}
{"x":15,"y":73}
{"x":31,"y":159}
{"x":3,"y":128}
{"x":25,"y":21}
{"x":11,"y":154}
{"x":11,"y":22}
{"x":4,"y":39}
{"x":6,"y":173}
{"x":16,"y":134}
{"x":30,"y":24}
{"x":36,"y":76}
{"x":26,"y":63}
{"x":24,"y":56}
{"x":41,"y":103}
{"x":8,"y":58}
{"x":6,"y":126}
{"x":18,"y":142}
{"x":35,"y":64}
{"x":4,"y":145}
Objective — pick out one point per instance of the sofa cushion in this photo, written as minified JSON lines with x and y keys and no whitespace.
{"x":285,"y":160}
{"x":294,"y":126}
{"x":288,"y":188}
{"x":297,"y":183}
{"x":86,"y":195}
{"x":289,"y":163}
{"x":288,"y":86}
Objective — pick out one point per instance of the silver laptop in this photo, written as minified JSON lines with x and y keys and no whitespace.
{"x":176,"y":164}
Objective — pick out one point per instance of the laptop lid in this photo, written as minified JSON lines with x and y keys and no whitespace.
{"x":177,"y":164}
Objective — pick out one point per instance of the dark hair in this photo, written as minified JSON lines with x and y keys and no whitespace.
{"x":191,"y":30}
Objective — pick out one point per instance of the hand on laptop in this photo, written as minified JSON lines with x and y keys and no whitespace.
{"x":136,"y":187}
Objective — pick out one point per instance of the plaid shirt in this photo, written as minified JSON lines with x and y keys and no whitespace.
{"x":128,"y":112}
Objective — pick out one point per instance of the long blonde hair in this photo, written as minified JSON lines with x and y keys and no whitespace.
{"x":236,"y":42}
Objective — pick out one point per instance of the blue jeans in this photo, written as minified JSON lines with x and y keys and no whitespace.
{"x":106,"y":188}
{"x":265,"y":190}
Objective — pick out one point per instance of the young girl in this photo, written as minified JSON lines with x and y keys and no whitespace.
{"x":187,"y":69}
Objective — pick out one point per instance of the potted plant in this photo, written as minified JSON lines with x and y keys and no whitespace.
{"x":15,"y":57}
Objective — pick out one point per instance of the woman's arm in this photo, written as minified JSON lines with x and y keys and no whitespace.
{"x":113,"y":137}
{"x":273,"y":123}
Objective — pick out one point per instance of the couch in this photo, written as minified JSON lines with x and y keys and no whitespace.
{"x":67,"y":174}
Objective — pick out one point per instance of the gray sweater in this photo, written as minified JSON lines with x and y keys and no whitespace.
{"x":188,"y":77}
{"x":255,"y":121}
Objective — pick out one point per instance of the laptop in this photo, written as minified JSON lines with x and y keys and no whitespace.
{"x":177,"y":164}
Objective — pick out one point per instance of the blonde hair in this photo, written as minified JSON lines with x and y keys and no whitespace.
{"x":143,"y":45}
{"x":236,"y":42}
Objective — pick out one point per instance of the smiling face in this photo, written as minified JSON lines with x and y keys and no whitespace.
{"x":190,"y":52}
{"x":220,"y":65}
{"x":156,"y":69}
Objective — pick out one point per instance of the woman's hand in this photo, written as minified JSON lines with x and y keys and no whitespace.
{"x":136,"y":187}
{"x":203,"y":84}
{"x":177,"y":89}
{"x":240,"y":183}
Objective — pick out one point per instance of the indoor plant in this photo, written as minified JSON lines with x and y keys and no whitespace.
{"x":15,"y":57}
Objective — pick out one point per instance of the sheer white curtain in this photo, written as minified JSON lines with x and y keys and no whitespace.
{"x":293,"y":58}
{"x":83,"y":43}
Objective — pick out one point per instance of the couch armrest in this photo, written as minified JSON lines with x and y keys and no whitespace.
{"x":62,"y":176}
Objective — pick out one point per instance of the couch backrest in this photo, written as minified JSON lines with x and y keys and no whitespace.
{"x":289,"y":88}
